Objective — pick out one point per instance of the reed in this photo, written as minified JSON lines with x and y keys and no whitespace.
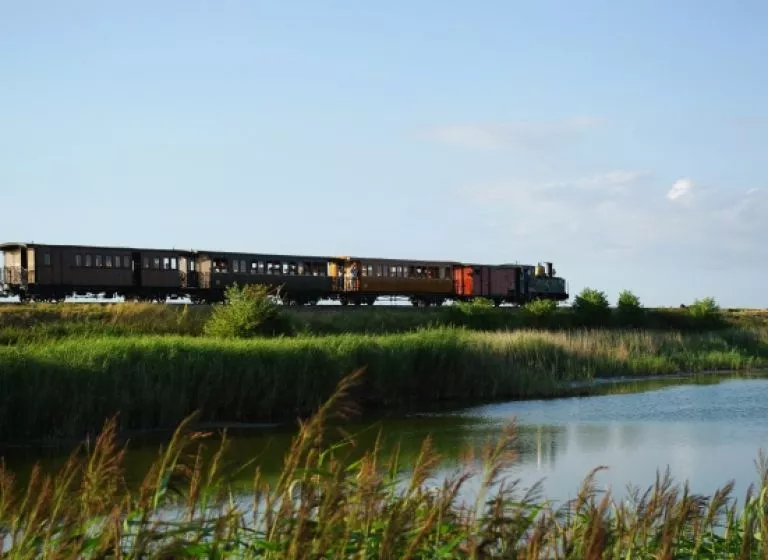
{"x":69,"y":387}
{"x":324,"y":506}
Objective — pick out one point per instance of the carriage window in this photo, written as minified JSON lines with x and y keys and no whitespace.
{"x":174,"y":264}
{"x":301,"y":269}
{"x":405,"y":272}
{"x":166,"y":263}
{"x":46,"y":259}
{"x":146,"y":262}
{"x":156,"y":262}
{"x":242,"y":266}
{"x":126,"y":261}
{"x":108,"y":261}
{"x":285,"y":268}
{"x":235,"y":266}
{"x":98,"y":261}
{"x":117,"y":261}
{"x":191,"y":265}
{"x":87,"y":260}
{"x":78,"y":260}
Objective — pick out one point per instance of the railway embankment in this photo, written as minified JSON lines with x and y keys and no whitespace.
{"x":45,"y":322}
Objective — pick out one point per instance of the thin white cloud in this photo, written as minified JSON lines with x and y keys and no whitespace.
{"x":492,"y":136}
{"x":616,"y":182}
{"x":611,"y":180}
{"x":680,"y":188}
{"x":611,"y":216}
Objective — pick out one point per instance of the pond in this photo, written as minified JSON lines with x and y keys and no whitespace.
{"x":708,"y":432}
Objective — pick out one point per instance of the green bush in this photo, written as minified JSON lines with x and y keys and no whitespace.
{"x":248,"y":311}
{"x":480,"y":313}
{"x":705,"y":312}
{"x":591,"y":307}
{"x":540,"y":312}
{"x":629,"y":310}
{"x":704,"y":307}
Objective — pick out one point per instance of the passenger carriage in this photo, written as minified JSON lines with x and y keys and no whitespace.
{"x":51,"y":272}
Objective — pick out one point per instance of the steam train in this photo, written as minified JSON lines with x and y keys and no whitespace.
{"x":39,"y":272}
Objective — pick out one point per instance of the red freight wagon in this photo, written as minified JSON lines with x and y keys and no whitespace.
{"x":499,"y":283}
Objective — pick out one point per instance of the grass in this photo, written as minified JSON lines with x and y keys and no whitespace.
{"x":67,"y":388}
{"x":40,"y":322}
{"x":324,"y":506}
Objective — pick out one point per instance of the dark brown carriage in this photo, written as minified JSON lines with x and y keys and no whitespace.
{"x":55,"y":271}
{"x":296,"y":279}
{"x":52,"y":272}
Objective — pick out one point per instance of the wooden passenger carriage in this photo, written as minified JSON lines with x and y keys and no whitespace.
{"x":52,"y":272}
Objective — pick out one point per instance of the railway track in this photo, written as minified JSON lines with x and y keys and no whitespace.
{"x":334,"y":307}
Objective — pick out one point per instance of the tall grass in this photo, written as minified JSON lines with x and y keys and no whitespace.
{"x":33,"y":323}
{"x":323,"y":506}
{"x":67,"y":388}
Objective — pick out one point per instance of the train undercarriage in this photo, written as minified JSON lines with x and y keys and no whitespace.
{"x":50,"y":294}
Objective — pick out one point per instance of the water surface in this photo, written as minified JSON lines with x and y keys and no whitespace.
{"x":707,"y":433}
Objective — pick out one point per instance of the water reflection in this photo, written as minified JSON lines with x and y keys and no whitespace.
{"x":708,"y":434}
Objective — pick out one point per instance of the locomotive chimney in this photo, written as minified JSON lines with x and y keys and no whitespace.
{"x":549,"y":269}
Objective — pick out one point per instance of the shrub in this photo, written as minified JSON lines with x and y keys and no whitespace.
{"x":591,"y":307}
{"x":704,"y":307}
{"x":628,"y":300}
{"x":705,"y":312}
{"x":628,"y":309}
{"x":540,"y":312}
{"x":480,"y":313}
{"x":478,"y":304}
{"x":248,"y":311}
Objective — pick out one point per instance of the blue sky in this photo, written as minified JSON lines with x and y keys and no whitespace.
{"x":624,"y":141}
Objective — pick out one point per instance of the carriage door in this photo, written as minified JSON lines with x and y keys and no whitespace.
{"x":23,"y":269}
{"x":187,"y":272}
{"x":352,"y":276}
{"x":136,"y":267}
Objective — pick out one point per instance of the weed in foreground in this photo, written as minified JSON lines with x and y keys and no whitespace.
{"x":322,"y":506}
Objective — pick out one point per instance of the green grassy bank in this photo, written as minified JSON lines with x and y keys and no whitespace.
{"x":39,"y":322}
{"x":68,"y":387}
{"x":323,"y":506}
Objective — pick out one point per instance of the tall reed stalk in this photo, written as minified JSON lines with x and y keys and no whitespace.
{"x":322,"y":506}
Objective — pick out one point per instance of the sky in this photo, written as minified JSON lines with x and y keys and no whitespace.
{"x":623,"y":141}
